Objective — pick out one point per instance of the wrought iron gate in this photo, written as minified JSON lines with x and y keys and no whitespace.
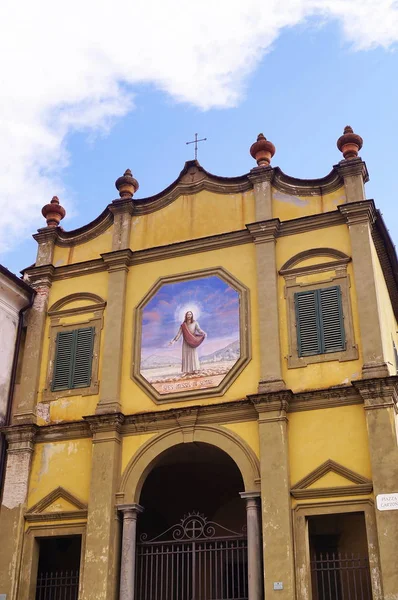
{"x":338,"y":576}
{"x":196,"y":559}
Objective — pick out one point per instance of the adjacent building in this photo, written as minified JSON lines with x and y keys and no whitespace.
{"x":208,"y":395}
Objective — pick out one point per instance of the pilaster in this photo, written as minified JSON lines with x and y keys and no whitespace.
{"x":19,"y":457}
{"x":114,"y":331}
{"x":261,"y":178}
{"x":40,"y":278}
{"x":360,"y":217}
{"x":46,"y":238}
{"x":275,"y":493}
{"x":264,"y":235}
{"x":381,"y":405}
{"x":254,"y":554}
{"x":355,"y":175}
{"x":102,"y":541}
{"x":122,"y":211}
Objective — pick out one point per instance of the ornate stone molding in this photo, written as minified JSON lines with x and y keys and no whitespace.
{"x":20,"y":438}
{"x":38,"y":512}
{"x":106,"y":427}
{"x":378,"y":393}
{"x":363,"y":211}
{"x":264,"y":231}
{"x":302,"y":489}
{"x":260,"y":174}
{"x":352,"y":167}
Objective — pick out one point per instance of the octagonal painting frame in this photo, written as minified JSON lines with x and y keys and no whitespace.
{"x":244,"y":327}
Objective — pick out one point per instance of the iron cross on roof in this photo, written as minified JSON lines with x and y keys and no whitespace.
{"x":195,"y":141}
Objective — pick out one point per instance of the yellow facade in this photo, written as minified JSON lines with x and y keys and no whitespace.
{"x":302,"y":430}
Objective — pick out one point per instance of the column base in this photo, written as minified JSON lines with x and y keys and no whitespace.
{"x":106,"y":408}
{"x":271,"y":385}
{"x":370,"y":371}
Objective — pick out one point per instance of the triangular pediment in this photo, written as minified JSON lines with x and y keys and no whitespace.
{"x":331,"y":479}
{"x":58,"y":504}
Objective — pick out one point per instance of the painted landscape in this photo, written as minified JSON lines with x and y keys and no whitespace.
{"x":190,"y":335}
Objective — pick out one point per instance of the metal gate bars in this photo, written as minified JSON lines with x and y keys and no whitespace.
{"x":196,"y":559}
{"x":337,"y":576}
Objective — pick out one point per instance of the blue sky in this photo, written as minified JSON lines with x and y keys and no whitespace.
{"x":299,"y":71}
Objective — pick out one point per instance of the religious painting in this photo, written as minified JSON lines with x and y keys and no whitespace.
{"x":190,"y":330}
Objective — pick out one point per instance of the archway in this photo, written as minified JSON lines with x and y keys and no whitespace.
{"x":192,"y":540}
{"x":196,"y":534}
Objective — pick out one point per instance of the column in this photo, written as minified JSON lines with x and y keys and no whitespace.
{"x":254,"y":559}
{"x":264,"y":234}
{"x":19,"y":457}
{"x":40,"y":278}
{"x":109,"y":401}
{"x":127,"y":567}
{"x":276,"y":508}
{"x":381,"y":405}
{"x":102,"y":539}
{"x":360,"y":217}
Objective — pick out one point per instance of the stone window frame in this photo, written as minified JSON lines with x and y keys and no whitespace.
{"x":30,"y":553}
{"x":291,"y":272}
{"x":244,"y":330}
{"x":301,"y":515}
{"x":56,"y":313}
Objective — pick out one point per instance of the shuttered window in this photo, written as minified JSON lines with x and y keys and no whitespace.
{"x":320,"y":324}
{"x":73,"y":359}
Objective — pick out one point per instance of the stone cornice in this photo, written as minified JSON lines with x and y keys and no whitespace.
{"x":47,"y":234}
{"x":359,"y":212}
{"x":118,"y":259}
{"x":105,"y":423}
{"x":193,"y":179}
{"x":40,"y":276}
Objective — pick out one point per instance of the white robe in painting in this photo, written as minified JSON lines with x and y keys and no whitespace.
{"x":190,"y":358}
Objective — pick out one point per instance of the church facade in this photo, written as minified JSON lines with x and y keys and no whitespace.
{"x":207,"y":406}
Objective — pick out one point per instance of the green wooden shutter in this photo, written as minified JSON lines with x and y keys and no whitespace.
{"x":63,"y":360}
{"x":73,"y":359}
{"x":83,"y":359}
{"x":320,"y":322}
{"x":331,"y":319}
{"x":307,"y":319}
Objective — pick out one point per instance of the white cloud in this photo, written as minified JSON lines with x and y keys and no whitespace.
{"x":66,"y":66}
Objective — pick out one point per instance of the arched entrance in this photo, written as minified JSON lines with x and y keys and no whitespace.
{"x":192,"y":528}
{"x":192,"y":540}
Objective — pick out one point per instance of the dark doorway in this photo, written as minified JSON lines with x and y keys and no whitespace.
{"x":59,"y":568}
{"x":339,"y":557}
{"x":192,"y":541}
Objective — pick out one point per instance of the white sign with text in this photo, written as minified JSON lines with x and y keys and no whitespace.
{"x":387,"y":501}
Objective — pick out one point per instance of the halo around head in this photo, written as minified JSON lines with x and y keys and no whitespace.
{"x":181,"y":311}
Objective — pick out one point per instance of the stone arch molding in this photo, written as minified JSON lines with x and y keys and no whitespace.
{"x":146,"y":457}
{"x":94,"y":300}
{"x":336,"y":255}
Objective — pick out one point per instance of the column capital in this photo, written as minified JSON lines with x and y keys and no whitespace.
{"x":118,"y":260}
{"x":363,"y":211}
{"x":130,"y":510}
{"x":105,"y":427}
{"x":40,"y":277}
{"x":20,"y":438}
{"x":250,"y":495}
{"x":260,"y":174}
{"x":378,"y":393}
{"x":352,"y":167}
{"x":46,"y":234}
{"x":264,"y":231}
{"x":121,"y":205}
{"x":273,"y":406}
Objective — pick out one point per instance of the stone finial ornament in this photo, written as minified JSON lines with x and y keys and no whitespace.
{"x":349,"y":143}
{"x":53,"y":212}
{"x":126,"y":185}
{"x":262,"y":151}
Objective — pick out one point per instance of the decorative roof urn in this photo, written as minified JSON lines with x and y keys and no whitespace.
{"x":53,"y":212}
{"x":126,"y":185}
{"x":349,"y":143}
{"x":262,"y":151}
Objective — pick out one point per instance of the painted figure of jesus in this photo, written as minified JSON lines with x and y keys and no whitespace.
{"x":192,"y":337}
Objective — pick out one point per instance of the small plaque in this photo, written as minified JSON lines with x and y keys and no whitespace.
{"x":278,"y":585}
{"x":3,"y":596}
{"x":385,"y":502}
